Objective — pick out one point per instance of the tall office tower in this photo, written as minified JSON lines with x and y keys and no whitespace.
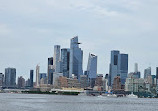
{"x":92,"y":69}
{"x":21,"y":82}
{"x":113,"y":66}
{"x":76,"y":58}
{"x":56,"y":59}
{"x":147,"y":72}
{"x":65,"y":58}
{"x":10,"y":77}
{"x":1,"y":79}
{"x":37,"y":75}
{"x":135,"y":67}
{"x":31,"y":78}
{"x":50,"y":70}
{"x":157,"y":73}
{"x":123,"y":67}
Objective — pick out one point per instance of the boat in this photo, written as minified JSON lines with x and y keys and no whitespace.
{"x":112,"y":96}
{"x":132,"y":96}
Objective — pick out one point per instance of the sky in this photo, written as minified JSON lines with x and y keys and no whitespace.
{"x":29,"y":29}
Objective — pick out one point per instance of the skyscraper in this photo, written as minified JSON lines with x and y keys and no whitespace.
{"x":1,"y":79}
{"x":136,"y":67}
{"x":31,"y":78}
{"x":56,"y":59}
{"x":10,"y":77}
{"x":92,"y":69}
{"x":65,"y":58}
{"x":118,"y":67}
{"x":123,"y":67}
{"x":76,"y":58}
{"x":21,"y":82}
{"x":50,"y":70}
{"x":147,"y":72}
{"x":37,"y":75}
{"x":157,"y":73}
{"x":113,"y":66}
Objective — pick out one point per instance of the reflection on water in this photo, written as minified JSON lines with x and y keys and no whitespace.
{"x":33,"y":102}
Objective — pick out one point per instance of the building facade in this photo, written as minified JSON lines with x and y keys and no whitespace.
{"x":65,"y":58}
{"x":37,"y":75}
{"x":123,"y":67}
{"x":31,"y":78}
{"x":50,"y":70}
{"x":56,"y":59}
{"x":92,"y":69}
{"x":10,"y":77}
{"x":76,"y":58}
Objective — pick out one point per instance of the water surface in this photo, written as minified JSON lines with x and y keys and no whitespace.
{"x":37,"y":102}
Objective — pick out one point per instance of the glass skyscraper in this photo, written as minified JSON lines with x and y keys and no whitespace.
{"x":10,"y":77}
{"x":31,"y":78}
{"x":113,"y":66}
{"x":118,"y":66}
{"x":123,"y":67}
{"x":92,"y":69}
{"x":76,"y":58}
{"x":50,"y":70}
{"x":65,"y":58}
{"x":37,"y":75}
{"x":56,"y":59}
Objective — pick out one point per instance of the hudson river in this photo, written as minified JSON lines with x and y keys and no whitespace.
{"x":29,"y":102}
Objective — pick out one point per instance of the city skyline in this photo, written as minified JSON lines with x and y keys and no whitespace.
{"x":28,"y":37}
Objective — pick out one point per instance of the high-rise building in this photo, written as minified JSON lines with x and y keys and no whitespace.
{"x":123,"y":67}
{"x":83,"y":81}
{"x":10,"y":77}
{"x":65,"y":58}
{"x":31,"y":78}
{"x":157,"y":73}
{"x":37,"y":75}
{"x":92,"y":69}
{"x":56,"y":59}
{"x":43,"y":78}
{"x":117,"y":83}
{"x":21,"y":82}
{"x":118,"y":67}
{"x":113,"y":66}
{"x":50,"y":70}
{"x":76,"y":58}
{"x":99,"y":80}
{"x":1,"y":79}
{"x":147,"y":72}
{"x":136,"y":73}
{"x":136,"y":67}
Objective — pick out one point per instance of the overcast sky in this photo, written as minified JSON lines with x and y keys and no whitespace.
{"x":29,"y":29}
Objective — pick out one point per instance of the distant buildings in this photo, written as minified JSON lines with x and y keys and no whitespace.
{"x":92,"y":69}
{"x":134,"y":85}
{"x":136,"y":73}
{"x":10,"y":77}
{"x":76,"y":58}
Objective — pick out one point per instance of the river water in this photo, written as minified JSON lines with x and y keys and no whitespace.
{"x":35,"y":102}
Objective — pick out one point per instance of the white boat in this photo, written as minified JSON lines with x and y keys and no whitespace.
{"x":132,"y":96}
{"x":112,"y":96}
